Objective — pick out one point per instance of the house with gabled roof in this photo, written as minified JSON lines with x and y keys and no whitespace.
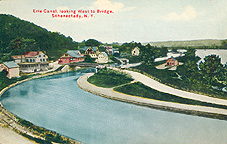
{"x":135,"y":51}
{"x":102,"y":58}
{"x":71,"y":56}
{"x":11,"y":68}
{"x":33,"y":61}
{"x":33,"y":56}
{"x":92,"y":51}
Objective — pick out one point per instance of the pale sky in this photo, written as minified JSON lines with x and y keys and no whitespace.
{"x":132,"y":20}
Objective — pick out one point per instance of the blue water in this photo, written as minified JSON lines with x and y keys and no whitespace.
{"x":57,"y":104}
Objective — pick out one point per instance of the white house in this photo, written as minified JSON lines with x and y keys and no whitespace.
{"x":102,"y":58}
{"x":32,"y":62}
{"x":135,"y":51}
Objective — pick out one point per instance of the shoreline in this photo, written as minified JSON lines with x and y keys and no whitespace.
{"x":109,"y":93}
{"x":10,"y":123}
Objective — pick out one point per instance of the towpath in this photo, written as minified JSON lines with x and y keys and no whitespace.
{"x":167,"y":89}
{"x":111,"y":94}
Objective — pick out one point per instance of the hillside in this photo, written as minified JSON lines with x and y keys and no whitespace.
{"x":192,"y":43}
{"x":18,"y":36}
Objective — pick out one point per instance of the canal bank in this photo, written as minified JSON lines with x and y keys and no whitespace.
{"x":168,"y":106}
{"x":9,"y":123}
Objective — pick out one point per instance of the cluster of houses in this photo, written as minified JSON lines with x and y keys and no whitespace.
{"x":31,"y":62}
{"x":36,"y":61}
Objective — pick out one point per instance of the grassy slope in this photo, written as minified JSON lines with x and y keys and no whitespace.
{"x":138,"y":89}
{"x":53,"y":43}
{"x":109,"y":78}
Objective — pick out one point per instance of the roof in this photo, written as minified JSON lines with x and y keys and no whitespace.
{"x":31,"y":54}
{"x":136,"y":48}
{"x":172,"y":58}
{"x":10,"y":64}
{"x":74,"y":53}
{"x":114,"y":49}
{"x":93,"y":48}
{"x":104,"y":54}
{"x":84,"y":48}
{"x":17,"y":56}
{"x":27,"y":54}
{"x":108,"y":47}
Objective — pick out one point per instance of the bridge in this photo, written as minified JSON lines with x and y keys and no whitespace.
{"x":83,"y":64}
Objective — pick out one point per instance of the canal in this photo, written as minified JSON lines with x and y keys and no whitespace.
{"x":56,"y":103}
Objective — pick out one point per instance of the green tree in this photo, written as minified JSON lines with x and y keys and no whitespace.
{"x":146,"y":54}
{"x":92,"y":42}
{"x":88,"y":59}
{"x":211,"y":68}
{"x":224,"y":44}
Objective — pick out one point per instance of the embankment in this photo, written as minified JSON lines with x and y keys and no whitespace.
{"x":168,"y":106}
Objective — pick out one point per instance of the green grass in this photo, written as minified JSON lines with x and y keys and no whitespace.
{"x":170,"y":78}
{"x":139,"y":89}
{"x":109,"y":78}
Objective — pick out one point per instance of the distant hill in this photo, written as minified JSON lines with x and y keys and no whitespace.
{"x":18,"y":36}
{"x":192,"y":43}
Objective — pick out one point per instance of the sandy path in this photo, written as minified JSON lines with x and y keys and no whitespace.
{"x":8,"y":136}
{"x":167,"y":89}
{"x":109,"y":93}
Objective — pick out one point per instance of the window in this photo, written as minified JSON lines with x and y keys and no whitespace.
{"x":39,"y":55}
{"x":40,"y":59}
{"x":43,"y":59}
{"x":44,"y":56}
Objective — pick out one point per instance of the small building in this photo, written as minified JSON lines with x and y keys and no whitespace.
{"x":124,"y":61}
{"x":135,"y":51}
{"x":11,"y":68}
{"x":102,"y":58}
{"x":71,"y":56}
{"x":171,"y":62}
{"x":30,"y":62}
{"x":115,"y":51}
{"x":92,"y":51}
{"x":109,"y":49}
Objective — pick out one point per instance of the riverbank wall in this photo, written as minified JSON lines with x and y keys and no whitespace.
{"x":167,"y":106}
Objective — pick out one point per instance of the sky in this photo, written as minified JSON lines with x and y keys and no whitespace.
{"x":131,"y":20}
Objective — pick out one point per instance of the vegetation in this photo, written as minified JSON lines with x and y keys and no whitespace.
{"x":19,"y":36}
{"x":89,"y":59}
{"x":49,"y":136}
{"x":139,"y":89}
{"x":92,"y":43}
{"x":190,"y":78}
{"x":5,"y":81}
{"x":109,"y":78}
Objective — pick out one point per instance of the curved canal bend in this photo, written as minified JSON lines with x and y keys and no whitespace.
{"x":56,"y":103}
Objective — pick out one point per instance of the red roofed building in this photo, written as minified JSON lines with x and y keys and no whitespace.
{"x":171,"y":62}
{"x":32,"y":61}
